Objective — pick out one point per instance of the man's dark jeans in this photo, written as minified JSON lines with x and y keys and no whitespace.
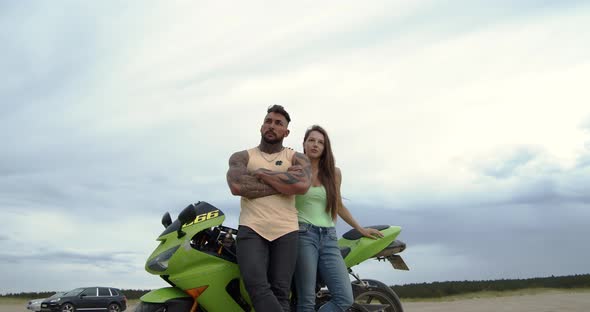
{"x":267,"y":268}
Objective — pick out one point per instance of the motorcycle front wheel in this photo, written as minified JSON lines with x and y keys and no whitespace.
{"x":164,"y":307}
{"x":150,"y":307}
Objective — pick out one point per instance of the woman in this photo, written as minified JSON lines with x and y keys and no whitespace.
{"x":317,"y":212}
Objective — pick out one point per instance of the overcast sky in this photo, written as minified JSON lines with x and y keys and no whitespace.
{"x":465,"y":122}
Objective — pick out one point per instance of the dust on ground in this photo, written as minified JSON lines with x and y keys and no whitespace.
{"x":553,"y":301}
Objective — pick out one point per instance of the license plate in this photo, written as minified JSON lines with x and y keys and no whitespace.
{"x":398,"y":263}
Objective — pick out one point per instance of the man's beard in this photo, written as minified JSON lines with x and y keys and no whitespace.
{"x":272,"y":141}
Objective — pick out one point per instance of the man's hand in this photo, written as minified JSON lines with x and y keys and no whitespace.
{"x":297,"y":169}
{"x":258,"y":173}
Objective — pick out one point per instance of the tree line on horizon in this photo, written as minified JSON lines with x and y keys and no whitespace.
{"x":419,"y":290}
{"x":443,"y":289}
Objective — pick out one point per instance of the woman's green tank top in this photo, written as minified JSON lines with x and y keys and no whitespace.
{"x":311,"y":207}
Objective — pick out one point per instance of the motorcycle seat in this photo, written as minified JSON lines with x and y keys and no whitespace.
{"x":354,"y":234}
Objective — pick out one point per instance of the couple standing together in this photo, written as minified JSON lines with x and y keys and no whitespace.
{"x":289,"y":203}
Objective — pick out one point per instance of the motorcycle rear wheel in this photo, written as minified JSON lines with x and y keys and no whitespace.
{"x":375,"y":295}
{"x":378,"y":300}
{"x":357,"y":308}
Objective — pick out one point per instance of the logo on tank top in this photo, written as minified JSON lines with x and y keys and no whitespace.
{"x":279,"y":162}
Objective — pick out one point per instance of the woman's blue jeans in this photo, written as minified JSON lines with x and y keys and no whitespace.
{"x":319,"y":253}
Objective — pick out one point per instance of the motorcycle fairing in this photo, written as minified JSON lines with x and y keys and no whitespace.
{"x":364,"y":248}
{"x":204,"y":212}
{"x":164,"y":294}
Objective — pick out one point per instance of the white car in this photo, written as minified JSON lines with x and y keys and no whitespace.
{"x":35,"y":304}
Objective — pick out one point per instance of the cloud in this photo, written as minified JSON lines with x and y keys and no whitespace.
{"x":585,"y":125}
{"x":584,"y":160}
{"x":73,"y":257}
{"x":458,"y":121}
{"x":495,"y":229}
{"x":509,"y":165}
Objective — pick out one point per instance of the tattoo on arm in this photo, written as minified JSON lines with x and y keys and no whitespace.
{"x":285,"y":177}
{"x":252,"y":187}
{"x":302,"y":160}
{"x":241,"y":182}
{"x":296,"y":180}
{"x":299,"y":172}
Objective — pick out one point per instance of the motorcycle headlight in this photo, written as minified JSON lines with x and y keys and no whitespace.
{"x":160,"y":262}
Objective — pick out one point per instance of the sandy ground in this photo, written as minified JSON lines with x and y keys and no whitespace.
{"x":543,"y":302}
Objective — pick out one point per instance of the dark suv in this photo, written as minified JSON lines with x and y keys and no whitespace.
{"x":87,"y":299}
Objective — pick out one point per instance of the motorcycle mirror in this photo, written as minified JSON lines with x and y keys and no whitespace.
{"x":166,"y":220}
{"x":186,"y":216}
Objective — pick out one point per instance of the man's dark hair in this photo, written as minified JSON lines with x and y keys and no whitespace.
{"x":279,"y":109}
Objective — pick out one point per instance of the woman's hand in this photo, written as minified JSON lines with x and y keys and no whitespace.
{"x":370,"y":233}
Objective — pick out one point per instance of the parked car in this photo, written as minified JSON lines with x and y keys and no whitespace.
{"x":35,"y":304}
{"x":87,"y":299}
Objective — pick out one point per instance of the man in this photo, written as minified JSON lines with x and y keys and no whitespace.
{"x":267,"y":177}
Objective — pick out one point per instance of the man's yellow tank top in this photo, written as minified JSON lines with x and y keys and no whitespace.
{"x":275,"y":215}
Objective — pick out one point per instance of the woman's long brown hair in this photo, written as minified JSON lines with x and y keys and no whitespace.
{"x":327,"y":172}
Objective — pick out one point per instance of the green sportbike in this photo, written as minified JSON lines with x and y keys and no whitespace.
{"x":197,"y":257}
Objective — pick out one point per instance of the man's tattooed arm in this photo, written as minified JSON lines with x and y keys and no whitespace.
{"x":241,"y":182}
{"x":296,"y":180}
